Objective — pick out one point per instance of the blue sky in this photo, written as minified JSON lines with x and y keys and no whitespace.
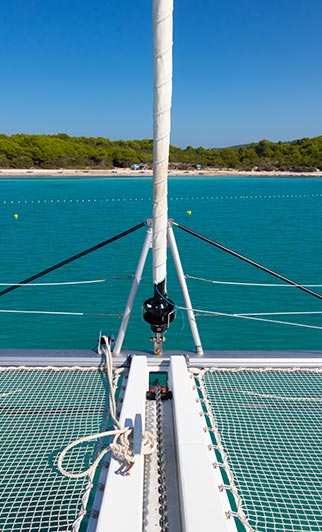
{"x":244,"y":70}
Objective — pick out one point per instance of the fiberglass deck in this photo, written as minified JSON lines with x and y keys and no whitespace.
{"x":246,"y":443}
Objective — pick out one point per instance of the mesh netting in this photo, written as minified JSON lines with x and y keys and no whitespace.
{"x":42,"y":410}
{"x":267,"y":431}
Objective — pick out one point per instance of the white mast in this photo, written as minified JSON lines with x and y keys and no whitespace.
{"x":162,"y":48}
{"x":159,"y":310}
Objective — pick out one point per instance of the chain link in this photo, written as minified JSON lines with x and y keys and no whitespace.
{"x":162,"y":480}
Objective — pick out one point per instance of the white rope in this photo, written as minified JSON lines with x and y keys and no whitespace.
{"x":269,"y":285}
{"x":249,"y":317}
{"x":30,"y":285}
{"x":79,"y":410}
{"x":122,"y":444}
{"x":280,"y":397}
{"x":13,"y":392}
{"x":200,"y":373}
{"x":266,"y":369}
{"x":278,"y":322}
{"x":304,"y":312}
{"x":58,"y":313}
{"x":8,"y":311}
{"x":46,"y":368}
{"x":309,"y":312}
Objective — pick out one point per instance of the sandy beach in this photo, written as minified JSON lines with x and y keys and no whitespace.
{"x":128,"y":172}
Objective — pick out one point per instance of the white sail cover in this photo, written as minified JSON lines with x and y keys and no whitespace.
{"x":162,"y":38}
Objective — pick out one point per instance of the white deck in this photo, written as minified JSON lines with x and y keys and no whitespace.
{"x":196,"y":501}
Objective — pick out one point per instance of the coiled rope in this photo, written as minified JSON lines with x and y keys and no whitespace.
{"x":122,"y":444}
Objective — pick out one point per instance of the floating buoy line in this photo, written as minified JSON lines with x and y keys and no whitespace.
{"x":171,"y":198}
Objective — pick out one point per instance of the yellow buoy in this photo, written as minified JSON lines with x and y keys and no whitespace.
{"x":16,"y":216}
{"x":189,"y":212}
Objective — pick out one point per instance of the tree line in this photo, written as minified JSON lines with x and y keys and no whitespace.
{"x":64,"y":151}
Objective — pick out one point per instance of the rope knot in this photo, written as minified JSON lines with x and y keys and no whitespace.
{"x":122,"y":444}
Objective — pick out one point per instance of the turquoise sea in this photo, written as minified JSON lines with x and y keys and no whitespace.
{"x":274,"y":221}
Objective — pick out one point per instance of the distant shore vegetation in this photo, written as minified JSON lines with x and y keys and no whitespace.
{"x":64,"y":151}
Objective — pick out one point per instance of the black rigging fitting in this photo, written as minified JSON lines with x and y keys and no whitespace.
{"x":159,"y":312}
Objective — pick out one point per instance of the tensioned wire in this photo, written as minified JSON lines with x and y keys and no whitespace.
{"x":247,"y":260}
{"x":42,"y":409}
{"x":250,"y":316}
{"x":92,"y":281}
{"x":71,"y":259}
{"x":254,"y":317}
{"x":236,"y":283}
{"x":216,"y":244}
{"x":198,"y":312}
{"x":266,"y":427}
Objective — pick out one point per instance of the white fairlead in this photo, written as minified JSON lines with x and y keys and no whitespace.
{"x":162,"y":53}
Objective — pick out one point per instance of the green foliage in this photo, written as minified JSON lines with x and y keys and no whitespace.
{"x":63,"y":151}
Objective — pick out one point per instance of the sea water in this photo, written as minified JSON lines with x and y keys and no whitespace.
{"x":274,"y":221}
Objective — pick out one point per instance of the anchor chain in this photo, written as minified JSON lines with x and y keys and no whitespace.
{"x":161,"y":461}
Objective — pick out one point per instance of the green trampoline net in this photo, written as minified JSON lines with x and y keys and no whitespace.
{"x":266,"y":426}
{"x":43,"y":410}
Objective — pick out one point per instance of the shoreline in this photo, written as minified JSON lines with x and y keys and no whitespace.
{"x":128,"y":172}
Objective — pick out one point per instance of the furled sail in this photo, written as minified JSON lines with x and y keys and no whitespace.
{"x":162,"y":45}
{"x":159,"y":309}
